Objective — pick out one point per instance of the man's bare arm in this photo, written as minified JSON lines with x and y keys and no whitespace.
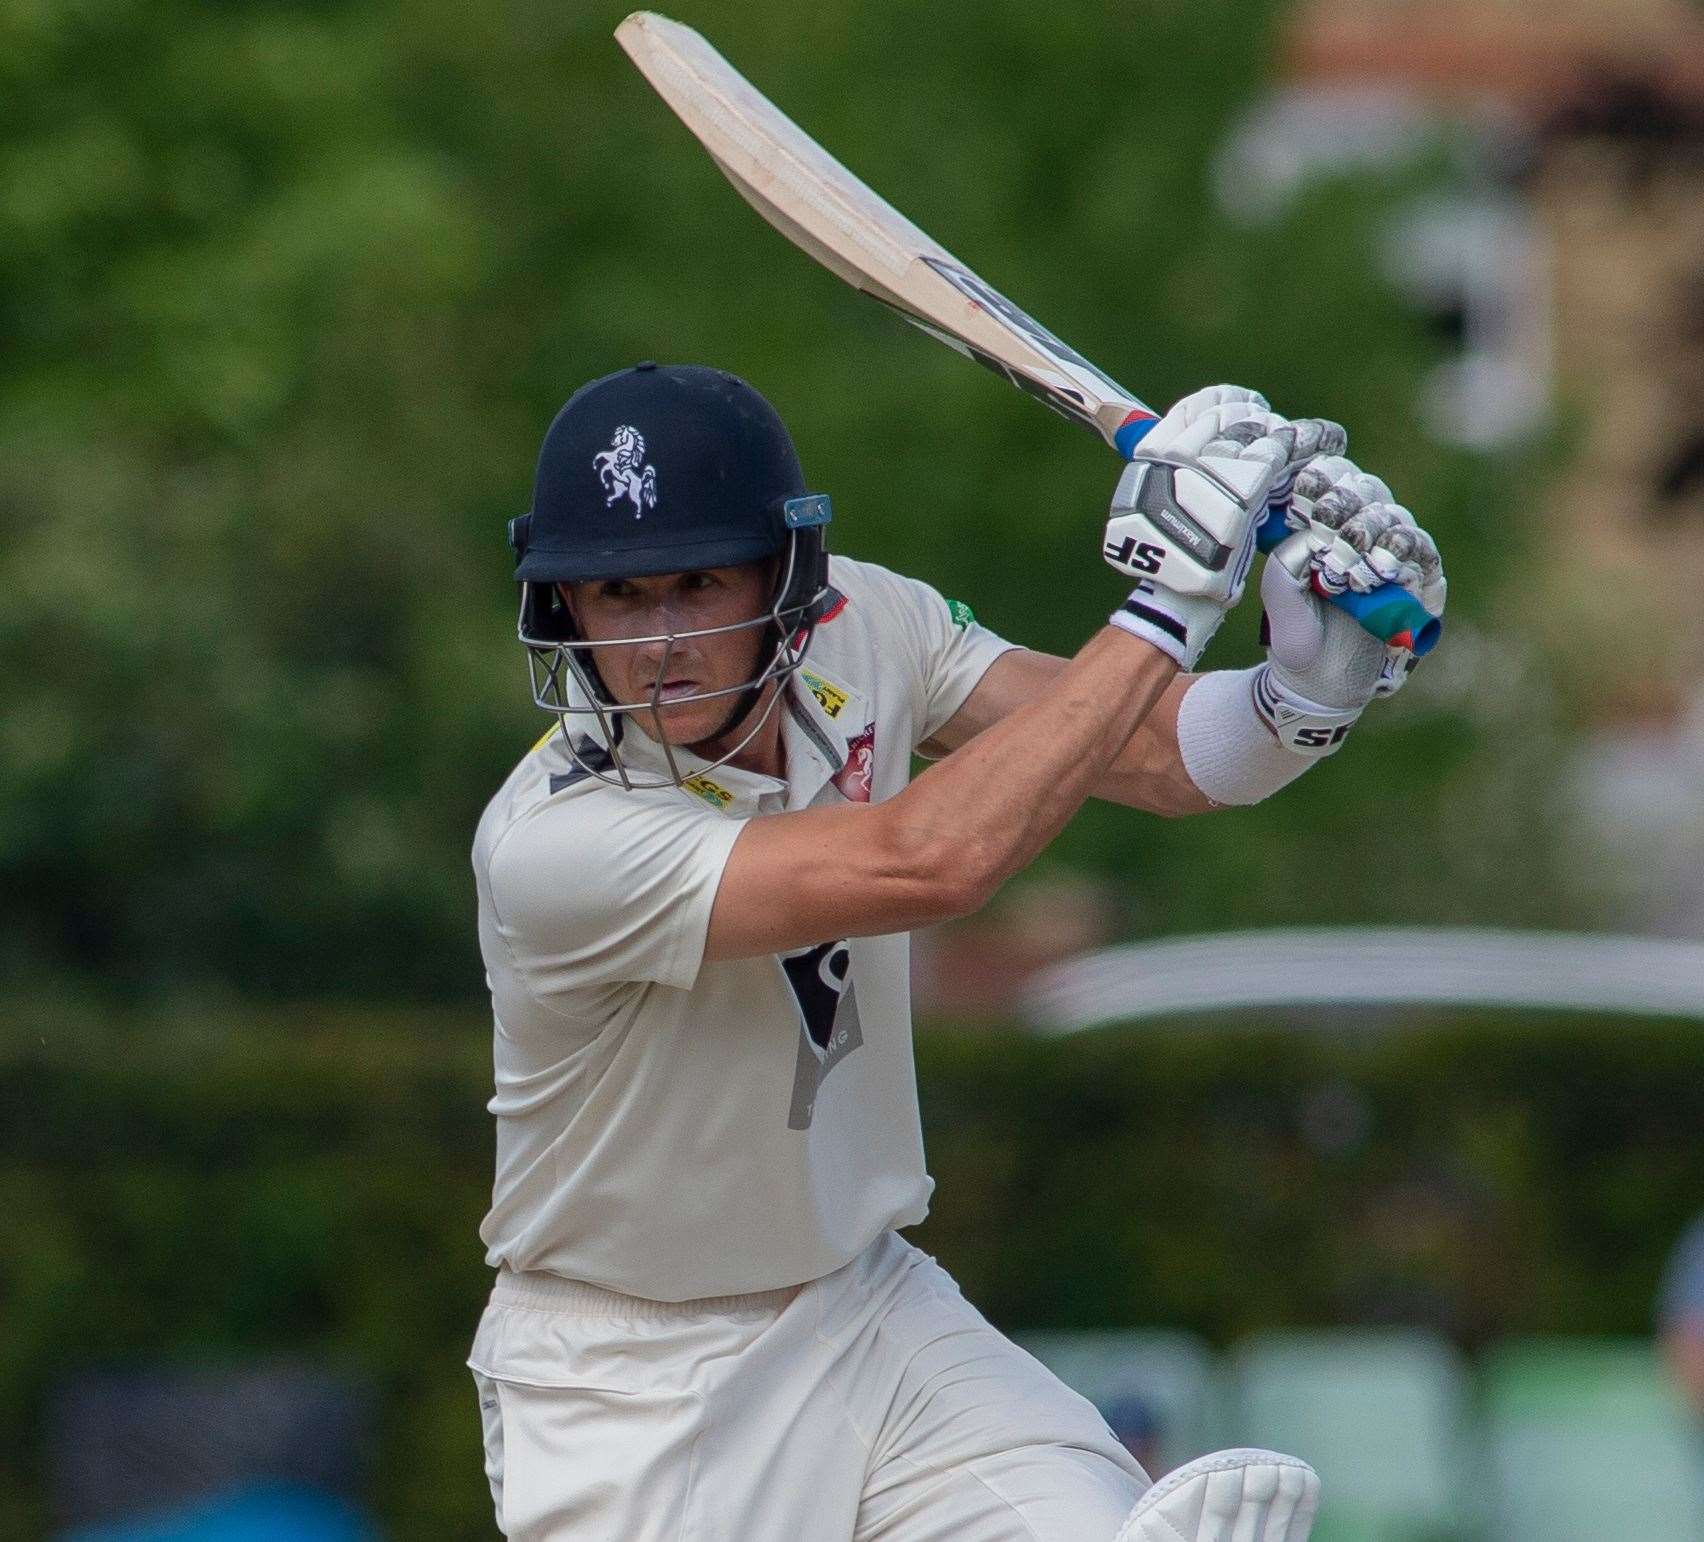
{"x":1147,"y":774}
{"x":946,"y":843}
{"x":942,"y":846}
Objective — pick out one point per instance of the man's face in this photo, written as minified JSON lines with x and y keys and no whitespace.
{"x":676,"y":602}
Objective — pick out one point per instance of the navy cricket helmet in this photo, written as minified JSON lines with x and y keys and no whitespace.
{"x":665,"y":469}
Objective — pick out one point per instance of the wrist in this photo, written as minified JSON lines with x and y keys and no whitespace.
{"x":1180,"y":626}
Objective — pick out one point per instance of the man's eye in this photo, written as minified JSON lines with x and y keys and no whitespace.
{"x":699,"y":581}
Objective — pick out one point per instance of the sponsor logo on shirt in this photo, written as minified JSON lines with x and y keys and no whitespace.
{"x":829,"y":1029}
{"x":829,"y":696}
{"x":856,"y":777}
{"x":713,"y":793}
{"x":961,"y":613}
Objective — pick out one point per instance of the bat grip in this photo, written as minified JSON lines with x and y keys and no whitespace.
{"x":1389,"y":611}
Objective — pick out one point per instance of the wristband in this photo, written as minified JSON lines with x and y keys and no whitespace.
{"x":1180,"y":626}
{"x":1228,"y":750}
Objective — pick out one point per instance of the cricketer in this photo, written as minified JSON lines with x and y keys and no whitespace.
{"x":695,"y":895}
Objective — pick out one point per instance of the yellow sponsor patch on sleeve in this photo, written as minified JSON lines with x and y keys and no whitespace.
{"x":829,"y":696}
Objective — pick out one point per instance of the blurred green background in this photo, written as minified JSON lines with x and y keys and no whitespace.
{"x":288,"y":295}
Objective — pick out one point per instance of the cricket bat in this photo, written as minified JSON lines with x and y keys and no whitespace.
{"x":800,"y":189}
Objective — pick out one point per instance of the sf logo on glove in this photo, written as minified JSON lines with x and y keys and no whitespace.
{"x":1135,"y":556}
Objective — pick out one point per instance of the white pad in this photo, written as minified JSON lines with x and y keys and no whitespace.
{"x":1229,"y":751}
{"x":1231,"y":1496}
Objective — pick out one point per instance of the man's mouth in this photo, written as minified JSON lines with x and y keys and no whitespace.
{"x":673,"y":690}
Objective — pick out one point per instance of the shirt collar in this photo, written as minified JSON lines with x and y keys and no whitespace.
{"x":823,"y":715}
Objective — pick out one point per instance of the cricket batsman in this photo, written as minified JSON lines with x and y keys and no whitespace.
{"x":695,"y":895}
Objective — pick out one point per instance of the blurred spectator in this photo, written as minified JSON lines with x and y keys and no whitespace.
{"x":1680,"y":1313}
{"x":269,"y":1512}
{"x":154,"y":1455}
{"x":1637,"y":789}
{"x":1134,"y":1422}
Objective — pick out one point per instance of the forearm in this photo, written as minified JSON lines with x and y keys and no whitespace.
{"x":1148,"y":773}
{"x":996,"y":801}
{"x":1200,"y":747}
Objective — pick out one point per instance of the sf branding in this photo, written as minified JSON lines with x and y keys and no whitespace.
{"x":1135,"y":556}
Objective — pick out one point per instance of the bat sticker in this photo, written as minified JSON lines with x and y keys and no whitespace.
{"x":990,"y":299}
{"x":1067,"y":403}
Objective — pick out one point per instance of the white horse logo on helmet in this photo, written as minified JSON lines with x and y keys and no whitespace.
{"x":622,"y":470}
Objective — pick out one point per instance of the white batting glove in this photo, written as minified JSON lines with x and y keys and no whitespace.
{"x":1230,"y":1496}
{"x":1185,"y":510}
{"x":1322,"y":668}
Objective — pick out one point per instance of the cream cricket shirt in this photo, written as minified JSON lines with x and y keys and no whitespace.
{"x":671,"y":1128}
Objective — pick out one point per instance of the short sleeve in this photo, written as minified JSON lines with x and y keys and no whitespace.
{"x":950,"y":649}
{"x":598,"y":891}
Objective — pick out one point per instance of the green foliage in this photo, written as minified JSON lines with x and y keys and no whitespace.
{"x":234,"y":1183}
{"x":288,"y":293}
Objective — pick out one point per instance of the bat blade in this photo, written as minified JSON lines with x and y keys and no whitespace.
{"x":823,"y":209}
{"x":800,"y":189}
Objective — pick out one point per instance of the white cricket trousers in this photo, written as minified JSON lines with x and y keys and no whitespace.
{"x":872,"y":1405}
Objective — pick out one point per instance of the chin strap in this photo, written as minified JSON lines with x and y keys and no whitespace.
{"x":743,"y":708}
{"x":827,"y":600}
{"x":746,"y":703}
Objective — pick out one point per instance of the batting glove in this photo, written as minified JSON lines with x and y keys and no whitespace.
{"x":1322,"y":668}
{"x":1184,"y":512}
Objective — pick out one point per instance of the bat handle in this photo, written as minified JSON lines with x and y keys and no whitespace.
{"x":1389,"y":612}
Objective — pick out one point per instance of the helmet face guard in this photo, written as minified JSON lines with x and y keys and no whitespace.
{"x":656,"y":470}
{"x":566,"y":681}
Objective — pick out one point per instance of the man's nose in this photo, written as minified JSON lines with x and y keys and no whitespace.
{"x":648,"y":657}
{"x":662,"y":651}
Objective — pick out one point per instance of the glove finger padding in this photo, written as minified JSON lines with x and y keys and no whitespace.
{"x":1360,"y":537}
{"x":1322,"y":667}
{"x":1348,"y":562}
{"x":1198,"y":405}
{"x":1315,"y":438}
{"x":1341,"y":486}
{"x":1318,"y":436}
{"x":1224,"y":431}
{"x":1408,"y":556}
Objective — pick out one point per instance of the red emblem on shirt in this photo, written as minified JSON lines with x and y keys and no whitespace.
{"x":854,"y":778}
